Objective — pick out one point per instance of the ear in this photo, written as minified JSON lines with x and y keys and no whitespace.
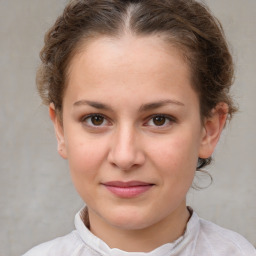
{"x":58,"y":131}
{"x":212,"y":129}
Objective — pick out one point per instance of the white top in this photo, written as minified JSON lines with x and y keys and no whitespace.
{"x":201,"y":238}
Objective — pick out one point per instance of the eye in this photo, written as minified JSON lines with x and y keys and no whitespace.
{"x":160,"y":121}
{"x":95,"y":120}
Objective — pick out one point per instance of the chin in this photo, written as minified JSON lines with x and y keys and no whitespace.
{"x":129,"y":219}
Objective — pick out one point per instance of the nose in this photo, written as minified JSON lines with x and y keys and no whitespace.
{"x":126,"y":151}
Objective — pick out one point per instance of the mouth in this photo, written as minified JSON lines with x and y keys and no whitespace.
{"x":128,"y":189}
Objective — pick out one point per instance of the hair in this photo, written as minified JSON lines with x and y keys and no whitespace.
{"x":186,"y":24}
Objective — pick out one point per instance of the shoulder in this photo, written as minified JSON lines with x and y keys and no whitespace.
{"x":222,"y":241}
{"x":61,"y":246}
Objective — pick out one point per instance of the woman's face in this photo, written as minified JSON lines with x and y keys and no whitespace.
{"x":131,"y":131}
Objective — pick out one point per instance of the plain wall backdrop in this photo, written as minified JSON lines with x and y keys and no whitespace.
{"x":37,"y":199}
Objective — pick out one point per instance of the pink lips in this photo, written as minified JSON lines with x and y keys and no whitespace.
{"x":127,"y":189}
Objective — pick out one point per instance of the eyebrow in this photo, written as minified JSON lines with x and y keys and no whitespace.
{"x":94,"y":104}
{"x":158,"y":104}
{"x":143,"y":108}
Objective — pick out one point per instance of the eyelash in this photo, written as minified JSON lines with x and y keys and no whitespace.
{"x":90,"y":116}
{"x":167,"y":118}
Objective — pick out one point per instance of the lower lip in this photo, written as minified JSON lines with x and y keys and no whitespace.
{"x":128,"y":192}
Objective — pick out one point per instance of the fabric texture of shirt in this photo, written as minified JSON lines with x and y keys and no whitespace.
{"x":201,"y":238}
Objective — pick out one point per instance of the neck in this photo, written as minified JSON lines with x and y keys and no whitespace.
{"x":141,"y":240}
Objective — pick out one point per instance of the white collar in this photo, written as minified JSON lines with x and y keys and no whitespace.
{"x":185,"y":242}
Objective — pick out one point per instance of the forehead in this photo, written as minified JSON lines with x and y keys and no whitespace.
{"x":148,"y":54}
{"x":118,"y":66}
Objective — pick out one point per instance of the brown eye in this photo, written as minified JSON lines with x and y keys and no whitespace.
{"x":159,"y":120}
{"x":94,"y":120}
{"x":97,"y":120}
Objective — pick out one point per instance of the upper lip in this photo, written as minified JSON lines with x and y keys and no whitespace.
{"x":126,"y":184}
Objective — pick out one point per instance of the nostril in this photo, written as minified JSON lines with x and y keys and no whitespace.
{"x":125,"y":151}
{"x":125,"y":160}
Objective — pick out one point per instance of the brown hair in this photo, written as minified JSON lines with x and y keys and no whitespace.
{"x":187,"y":24}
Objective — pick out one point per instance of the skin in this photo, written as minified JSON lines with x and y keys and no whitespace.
{"x":127,"y":81}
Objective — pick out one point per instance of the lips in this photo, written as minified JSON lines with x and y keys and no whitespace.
{"x":128,"y":189}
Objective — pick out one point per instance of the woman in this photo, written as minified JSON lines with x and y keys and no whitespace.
{"x":138,"y":92}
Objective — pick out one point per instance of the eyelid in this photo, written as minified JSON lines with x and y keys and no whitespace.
{"x":85,"y":117}
{"x":168,"y":117}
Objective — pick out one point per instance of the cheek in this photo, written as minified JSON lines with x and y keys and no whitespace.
{"x":177,"y":155}
{"x":85,"y":162}
{"x":85,"y":157}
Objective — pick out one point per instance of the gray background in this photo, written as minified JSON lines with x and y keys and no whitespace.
{"x":37,"y":199}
